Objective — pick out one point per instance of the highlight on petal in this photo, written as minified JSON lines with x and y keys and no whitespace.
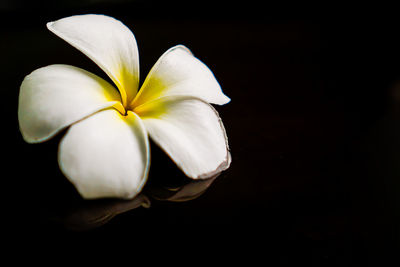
{"x":179,"y":73}
{"x":109,"y":43}
{"x":106,"y":155}
{"x":53,"y":97}
{"x":190,"y":132}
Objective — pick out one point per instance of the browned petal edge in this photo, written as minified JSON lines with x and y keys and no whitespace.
{"x":228,"y":159}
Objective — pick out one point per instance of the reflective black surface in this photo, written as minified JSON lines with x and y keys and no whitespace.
{"x":314,"y":128}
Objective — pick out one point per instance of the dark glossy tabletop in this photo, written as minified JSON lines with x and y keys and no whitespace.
{"x":313,"y":126}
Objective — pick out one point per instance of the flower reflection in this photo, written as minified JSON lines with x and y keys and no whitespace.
{"x":95,"y":213}
{"x":186,"y":192}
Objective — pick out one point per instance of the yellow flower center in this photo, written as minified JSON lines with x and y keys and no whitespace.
{"x":150,"y":90}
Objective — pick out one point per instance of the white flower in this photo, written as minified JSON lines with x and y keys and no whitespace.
{"x":105,"y":152}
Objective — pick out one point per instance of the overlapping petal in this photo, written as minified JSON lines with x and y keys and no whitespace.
{"x":109,"y":43}
{"x":106,"y":155}
{"x":179,"y":73}
{"x":190,"y":132}
{"x":53,"y":97}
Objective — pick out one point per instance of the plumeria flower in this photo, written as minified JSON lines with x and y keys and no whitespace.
{"x":105,"y":151}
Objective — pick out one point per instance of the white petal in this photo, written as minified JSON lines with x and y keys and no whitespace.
{"x":53,"y":97}
{"x":106,"y":155}
{"x":109,"y":43}
{"x":179,"y":73}
{"x":191,"y":133}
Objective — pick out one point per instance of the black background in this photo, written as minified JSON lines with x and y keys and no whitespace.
{"x":313,"y":126}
